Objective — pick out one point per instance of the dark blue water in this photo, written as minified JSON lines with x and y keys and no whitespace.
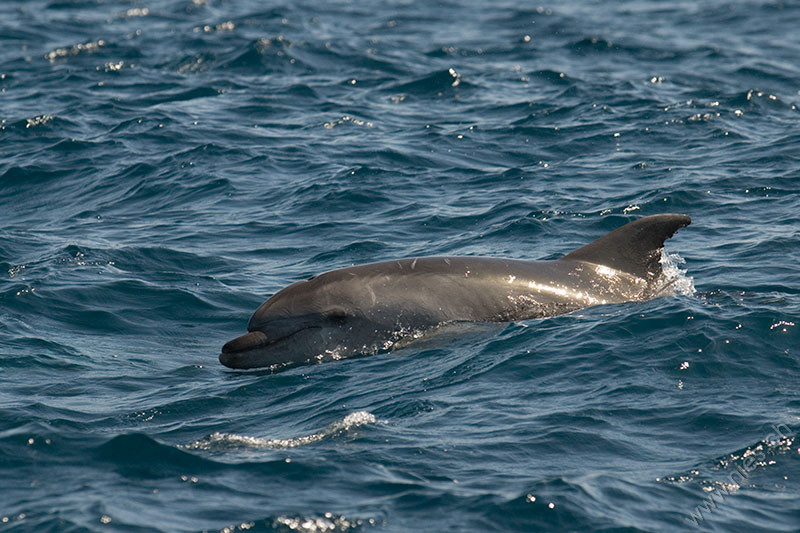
{"x":167,"y":165}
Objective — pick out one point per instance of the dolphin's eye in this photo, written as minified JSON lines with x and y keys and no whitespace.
{"x":336,"y":316}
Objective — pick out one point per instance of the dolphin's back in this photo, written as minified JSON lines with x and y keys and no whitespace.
{"x":428,"y":291}
{"x":432,"y":290}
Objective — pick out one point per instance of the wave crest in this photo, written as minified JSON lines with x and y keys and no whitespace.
{"x":225,"y":441}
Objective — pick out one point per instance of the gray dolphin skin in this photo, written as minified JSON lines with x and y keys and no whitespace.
{"x":369,"y":308}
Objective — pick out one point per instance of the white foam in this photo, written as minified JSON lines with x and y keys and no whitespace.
{"x":322,"y":524}
{"x":224,"y":441}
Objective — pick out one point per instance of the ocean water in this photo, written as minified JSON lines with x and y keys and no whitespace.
{"x":167,"y":165}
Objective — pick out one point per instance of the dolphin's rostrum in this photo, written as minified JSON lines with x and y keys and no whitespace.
{"x":368,"y":308}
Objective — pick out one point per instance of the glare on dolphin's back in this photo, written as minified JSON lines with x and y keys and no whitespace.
{"x":368,"y":308}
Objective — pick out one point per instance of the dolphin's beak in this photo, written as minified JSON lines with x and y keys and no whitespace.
{"x":230,"y":355}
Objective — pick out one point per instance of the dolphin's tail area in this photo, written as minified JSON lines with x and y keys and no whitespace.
{"x":635,"y":247}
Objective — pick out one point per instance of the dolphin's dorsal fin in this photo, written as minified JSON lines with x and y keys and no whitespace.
{"x":635,"y":247}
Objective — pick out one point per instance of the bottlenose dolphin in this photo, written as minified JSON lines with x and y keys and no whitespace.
{"x":368,"y":308}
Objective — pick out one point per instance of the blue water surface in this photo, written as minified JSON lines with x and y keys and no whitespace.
{"x":166,"y":165}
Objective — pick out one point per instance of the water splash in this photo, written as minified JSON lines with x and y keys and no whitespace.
{"x":677,"y":282}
